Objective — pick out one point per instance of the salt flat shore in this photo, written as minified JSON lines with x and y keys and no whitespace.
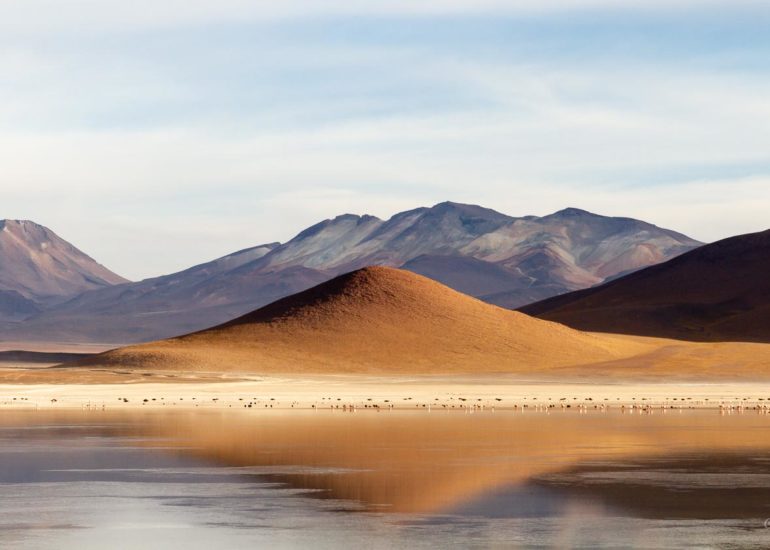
{"x":386,"y":393}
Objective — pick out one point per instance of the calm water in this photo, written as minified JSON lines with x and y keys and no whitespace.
{"x":391,"y":480}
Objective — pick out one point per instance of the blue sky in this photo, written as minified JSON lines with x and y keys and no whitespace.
{"x":159,"y":134}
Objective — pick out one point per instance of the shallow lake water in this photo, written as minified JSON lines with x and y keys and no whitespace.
{"x":297,"y":479}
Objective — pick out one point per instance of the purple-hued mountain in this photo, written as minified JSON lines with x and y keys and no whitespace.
{"x":38,"y":268}
{"x":500,"y":259}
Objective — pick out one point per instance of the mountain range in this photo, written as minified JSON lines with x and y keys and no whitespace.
{"x":503,"y":260}
{"x":719,"y":292}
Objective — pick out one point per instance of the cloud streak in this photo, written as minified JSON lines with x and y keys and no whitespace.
{"x":158,"y":149}
{"x":110,"y":15}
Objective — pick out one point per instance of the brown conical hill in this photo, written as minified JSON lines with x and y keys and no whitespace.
{"x":376,"y":320}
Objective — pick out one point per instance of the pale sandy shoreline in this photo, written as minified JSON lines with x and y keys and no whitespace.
{"x":60,"y":347}
{"x":383,"y":393}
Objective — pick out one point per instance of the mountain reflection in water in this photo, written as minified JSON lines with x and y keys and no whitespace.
{"x":515,"y":473}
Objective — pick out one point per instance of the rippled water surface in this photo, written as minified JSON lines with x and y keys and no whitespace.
{"x":383,"y":480}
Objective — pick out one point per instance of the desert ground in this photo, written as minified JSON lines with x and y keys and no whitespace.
{"x":25,"y":355}
{"x":355,"y":393}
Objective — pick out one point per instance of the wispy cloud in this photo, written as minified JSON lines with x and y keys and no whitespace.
{"x":186,"y":130}
{"x":101,"y":15}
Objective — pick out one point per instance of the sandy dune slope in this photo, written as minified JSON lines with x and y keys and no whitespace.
{"x":377,"y":320}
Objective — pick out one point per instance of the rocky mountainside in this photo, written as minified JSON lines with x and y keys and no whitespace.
{"x":719,"y":292}
{"x":38,"y":268}
{"x":503,"y":260}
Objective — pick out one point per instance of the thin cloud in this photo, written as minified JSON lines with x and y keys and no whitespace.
{"x":156,"y":152}
{"x":37,"y":16}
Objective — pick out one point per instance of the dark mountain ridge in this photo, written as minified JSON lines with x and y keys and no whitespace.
{"x":719,"y":292}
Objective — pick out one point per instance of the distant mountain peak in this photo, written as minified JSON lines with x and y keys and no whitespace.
{"x":22,"y":226}
{"x":347,"y":216}
{"x":41,"y":266}
{"x":360,"y":218}
{"x":450,"y":206}
{"x":22,"y":223}
{"x":571,"y":211}
{"x":331,"y":222}
{"x":259,"y":247}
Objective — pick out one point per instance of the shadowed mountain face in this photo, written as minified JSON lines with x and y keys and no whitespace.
{"x":14,"y":306}
{"x":720,"y":292}
{"x":500,"y":259}
{"x":38,"y":268}
{"x":378,"y":320}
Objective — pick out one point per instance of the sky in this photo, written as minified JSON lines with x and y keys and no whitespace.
{"x":159,"y":134}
